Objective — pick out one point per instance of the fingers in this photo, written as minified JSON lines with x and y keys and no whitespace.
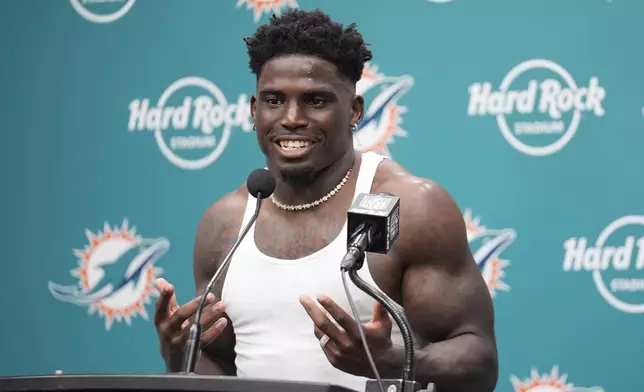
{"x":212,"y":322}
{"x":214,"y":331}
{"x":330,"y":349}
{"x":185,"y":312}
{"x":175,"y":329}
{"x":330,"y":345}
{"x":163,"y":307}
{"x":345,"y":320}
{"x":324,"y":323}
{"x":211,"y":313}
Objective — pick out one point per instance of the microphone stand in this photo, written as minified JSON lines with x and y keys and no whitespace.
{"x":194,"y":336}
{"x":351,"y":263}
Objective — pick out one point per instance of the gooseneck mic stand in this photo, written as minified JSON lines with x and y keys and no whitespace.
{"x":351,"y":263}
{"x":192,"y":350}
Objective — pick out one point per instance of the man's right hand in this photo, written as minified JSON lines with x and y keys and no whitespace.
{"x":173,"y":323}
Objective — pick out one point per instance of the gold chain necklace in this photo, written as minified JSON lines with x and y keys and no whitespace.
{"x":298,"y":207}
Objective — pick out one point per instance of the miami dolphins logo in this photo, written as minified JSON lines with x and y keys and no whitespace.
{"x":552,"y":382}
{"x":116,"y":274}
{"x":260,"y":7}
{"x":382,"y":119}
{"x":487,"y":246}
{"x":545,"y":383}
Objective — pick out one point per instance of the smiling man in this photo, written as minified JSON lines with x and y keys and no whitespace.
{"x":283,"y":312}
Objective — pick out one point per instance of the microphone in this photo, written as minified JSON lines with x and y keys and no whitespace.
{"x":260,"y":184}
{"x":372,"y":226}
{"x":373,"y":223}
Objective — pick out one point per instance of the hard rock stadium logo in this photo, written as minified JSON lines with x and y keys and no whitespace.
{"x":116,"y":274}
{"x":102,"y":11}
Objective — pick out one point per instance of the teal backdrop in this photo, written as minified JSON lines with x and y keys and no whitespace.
{"x":124,"y":120}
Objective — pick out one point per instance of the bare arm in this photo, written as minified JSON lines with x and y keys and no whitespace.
{"x":443,"y":293}
{"x":217,"y":231}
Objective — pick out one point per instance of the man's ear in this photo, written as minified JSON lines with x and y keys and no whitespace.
{"x":253,"y":106}
{"x":357,"y":110}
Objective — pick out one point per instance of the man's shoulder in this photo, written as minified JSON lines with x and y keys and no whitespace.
{"x":218,"y":229}
{"x":392,"y":177}
{"x":230,"y":206}
{"x":222,"y":218}
{"x":430,"y":220}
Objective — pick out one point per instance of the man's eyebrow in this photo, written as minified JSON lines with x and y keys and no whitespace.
{"x":307,"y":90}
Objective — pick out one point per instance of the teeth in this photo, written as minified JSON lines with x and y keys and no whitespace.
{"x":291,"y":144}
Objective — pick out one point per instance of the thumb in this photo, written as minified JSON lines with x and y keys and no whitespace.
{"x":380,"y":314}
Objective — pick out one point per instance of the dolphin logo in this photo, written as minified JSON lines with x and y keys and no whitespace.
{"x":491,"y":243}
{"x":392,"y":88}
{"x":124,"y":270}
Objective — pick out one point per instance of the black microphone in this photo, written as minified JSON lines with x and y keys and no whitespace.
{"x":260,"y":184}
{"x":372,"y":226}
{"x":373,"y":223}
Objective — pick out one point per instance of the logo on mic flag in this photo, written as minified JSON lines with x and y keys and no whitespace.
{"x":487,"y":245}
{"x":374,"y":202}
{"x":116,"y":274}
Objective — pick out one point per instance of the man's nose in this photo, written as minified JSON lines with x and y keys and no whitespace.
{"x":294,"y":117}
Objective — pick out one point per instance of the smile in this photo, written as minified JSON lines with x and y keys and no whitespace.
{"x":294,"y":144}
{"x":294,"y":148}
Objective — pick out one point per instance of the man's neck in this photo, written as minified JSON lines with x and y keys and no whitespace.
{"x":292,"y":192}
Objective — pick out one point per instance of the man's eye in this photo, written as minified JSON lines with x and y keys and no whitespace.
{"x":272,"y":101}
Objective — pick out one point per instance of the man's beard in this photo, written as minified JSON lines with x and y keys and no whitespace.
{"x":299,"y":176}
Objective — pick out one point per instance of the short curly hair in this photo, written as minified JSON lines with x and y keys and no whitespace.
{"x":309,"y":33}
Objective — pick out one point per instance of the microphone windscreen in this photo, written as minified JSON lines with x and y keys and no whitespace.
{"x":260,"y":181}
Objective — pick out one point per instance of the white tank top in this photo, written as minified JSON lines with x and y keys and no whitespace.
{"x":274,"y":334}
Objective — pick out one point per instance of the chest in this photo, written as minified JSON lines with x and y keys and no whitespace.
{"x":320,"y":235}
{"x":263,"y":294}
{"x":295,"y":236}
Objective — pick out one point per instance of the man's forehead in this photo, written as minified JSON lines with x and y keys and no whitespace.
{"x":305,"y":71}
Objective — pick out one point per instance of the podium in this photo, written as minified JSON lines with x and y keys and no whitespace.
{"x":162,"y":382}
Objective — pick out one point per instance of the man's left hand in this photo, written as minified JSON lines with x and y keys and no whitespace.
{"x":343,"y":346}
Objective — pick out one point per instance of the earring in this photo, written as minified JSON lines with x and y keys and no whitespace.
{"x":254,"y":129}
{"x":354,"y":127}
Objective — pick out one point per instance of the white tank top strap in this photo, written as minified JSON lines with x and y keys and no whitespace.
{"x":367,"y":172}
{"x":251,"y":204}
{"x":249,"y":211}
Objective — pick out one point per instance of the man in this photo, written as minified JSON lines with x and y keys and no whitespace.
{"x":283,"y":311}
